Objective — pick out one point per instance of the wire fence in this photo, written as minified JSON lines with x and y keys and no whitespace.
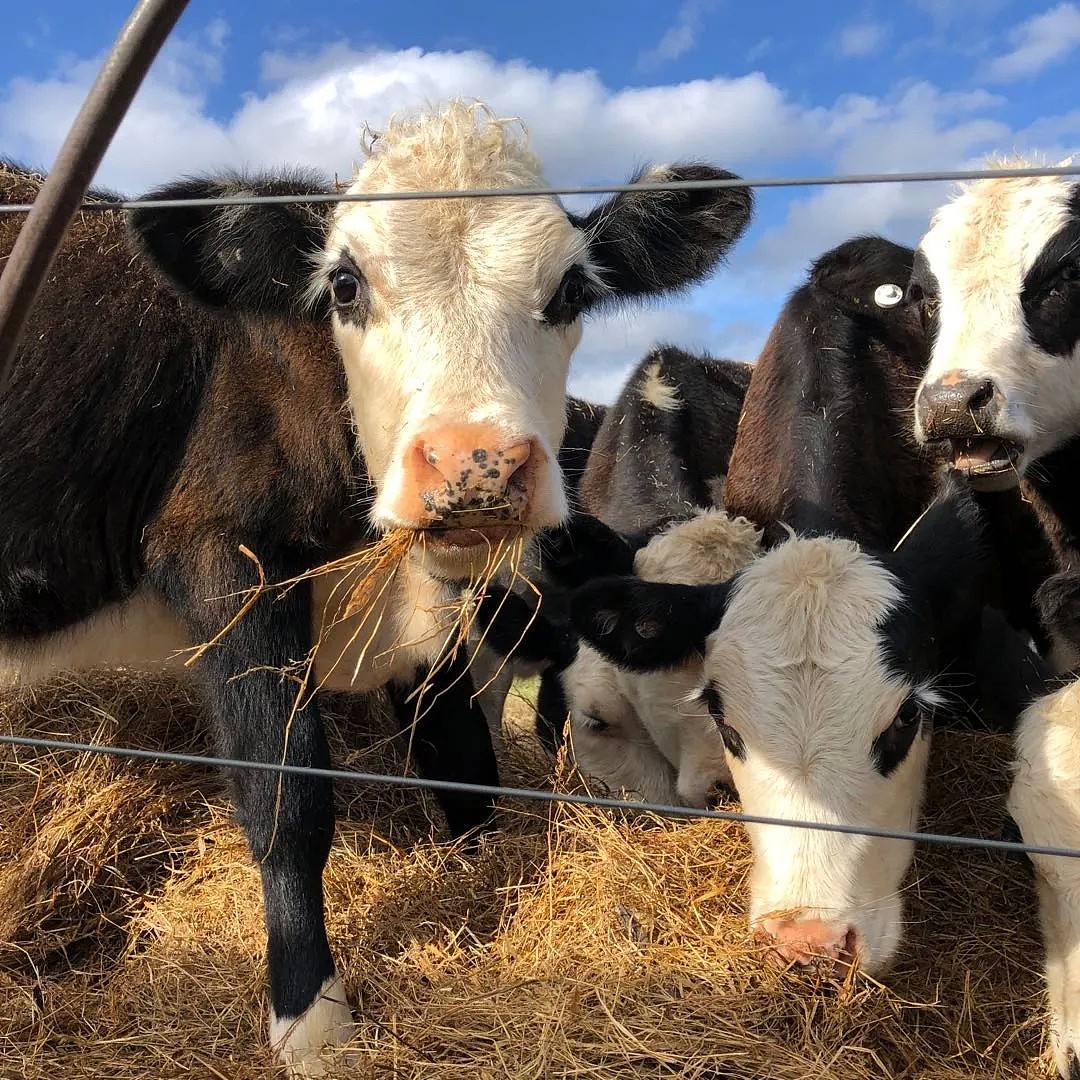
{"x":138,"y":43}
{"x":349,"y":776}
{"x":719,"y":184}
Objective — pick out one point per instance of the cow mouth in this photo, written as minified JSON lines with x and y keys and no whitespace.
{"x":467,"y":536}
{"x":986,"y":458}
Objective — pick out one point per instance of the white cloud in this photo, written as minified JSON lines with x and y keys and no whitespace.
{"x":863,"y":39}
{"x":920,"y":130}
{"x":1036,"y":44}
{"x":310,"y":107}
{"x":679,"y":38}
{"x":757,"y":51}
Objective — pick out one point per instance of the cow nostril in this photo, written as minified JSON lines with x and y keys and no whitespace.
{"x":982,"y":396}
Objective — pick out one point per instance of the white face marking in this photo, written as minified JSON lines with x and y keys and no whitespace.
{"x":979,"y":247}
{"x":798,"y":666}
{"x":452,"y":328}
{"x":887,"y":296}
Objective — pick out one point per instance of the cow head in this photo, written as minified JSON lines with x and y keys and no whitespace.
{"x":455,"y":317}
{"x":998,"y":275}
{"x":819,"y":669}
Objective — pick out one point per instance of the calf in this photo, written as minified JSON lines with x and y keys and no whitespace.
{"x":630,"y":730}
{"x":825,"y":658}
{"x":161,"y":423}
{"x":661,"y":451}
{"x":998,"y":276}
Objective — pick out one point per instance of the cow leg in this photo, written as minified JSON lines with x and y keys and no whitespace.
{"x":449,"y":740}
{"x":551,"y":710}
{"x":288,"y":819}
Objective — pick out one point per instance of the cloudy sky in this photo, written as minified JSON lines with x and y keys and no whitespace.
{"x":769,"y":89}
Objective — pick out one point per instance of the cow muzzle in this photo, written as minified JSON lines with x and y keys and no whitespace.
{"x":468,"y":484}
{"x":969,"y":412}
{"x":811,"y":945}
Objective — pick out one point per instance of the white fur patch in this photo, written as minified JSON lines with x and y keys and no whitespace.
{"x":1044,"y":801}
{"x":300,"y":1041}
{"x":656,"y":391}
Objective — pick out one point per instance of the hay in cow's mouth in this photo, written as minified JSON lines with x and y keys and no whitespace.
{"x":985,"y":456}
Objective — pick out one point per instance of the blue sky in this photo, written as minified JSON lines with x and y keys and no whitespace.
{"x":771,"y":88}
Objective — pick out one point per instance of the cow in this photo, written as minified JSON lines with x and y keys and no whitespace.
{"x":660,"y":453}
{"x":828,"y":659}
{"x":628,"y":729}
{"x":211,"y":396}
{"x":998,"y":276}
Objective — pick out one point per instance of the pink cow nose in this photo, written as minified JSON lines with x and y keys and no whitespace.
{"x":468,"y":477}
{"x":819,"y":947}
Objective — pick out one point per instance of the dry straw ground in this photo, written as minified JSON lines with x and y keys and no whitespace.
{"x":576,"y":944}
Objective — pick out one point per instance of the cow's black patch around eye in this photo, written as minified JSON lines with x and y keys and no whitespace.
{"x":1050,"y":296}
{"x":893,"y":744}
{"x":571,"y":298}
{"x":733,"y":741}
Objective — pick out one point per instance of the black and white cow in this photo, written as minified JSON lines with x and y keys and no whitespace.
{"x":660,"y":453}
{"x":826,"y":657}
{"x":160,"y":423}
{"x":998,"y":272}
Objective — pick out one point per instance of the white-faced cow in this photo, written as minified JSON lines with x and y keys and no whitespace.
{"x":158,"y":422}
{"x":998,"y":272}
{"x":825,"y":658}
{"x":632,"y":731}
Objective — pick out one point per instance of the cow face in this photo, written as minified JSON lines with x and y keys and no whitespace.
{"x":455,"y":318}
{"x":819,"y":669}
{"x":998,"y":274}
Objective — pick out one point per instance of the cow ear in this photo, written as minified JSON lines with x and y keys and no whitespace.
{"x":944,"y":560}
{"x":254,"y":259}
{"x":644,"y":625}
{"x":646,"y":243}
{"x":516,"y":629}
{"x":585,"y":548}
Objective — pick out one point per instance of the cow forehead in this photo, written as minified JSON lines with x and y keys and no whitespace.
{"x":801,"y":640}
{"x":495,"y":247}
{"x":987,"y":238}
{"x":505,"y":243}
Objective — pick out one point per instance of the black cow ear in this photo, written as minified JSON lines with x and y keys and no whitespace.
{"x":585,"y":548}
{"x":256,"y":259}
{"x":516,"y":628}
{"x":653,"y":242}
{"x":644,"y":625}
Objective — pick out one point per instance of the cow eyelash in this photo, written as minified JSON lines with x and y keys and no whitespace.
{"x":570,"y":299}
{"x":592,"y":722}
{"x":733,"y":741}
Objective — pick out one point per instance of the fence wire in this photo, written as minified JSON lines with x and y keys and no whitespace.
{"x":936,"y":176}
{"x":349,"y":776}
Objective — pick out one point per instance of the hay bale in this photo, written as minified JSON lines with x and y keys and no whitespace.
{"x":577,"y":943}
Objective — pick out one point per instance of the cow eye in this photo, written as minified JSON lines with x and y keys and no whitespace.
{"x":893,"y":744}
{"x":570,"y":298}
{"x":595,"y":724}
{"x":345,"y":285}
